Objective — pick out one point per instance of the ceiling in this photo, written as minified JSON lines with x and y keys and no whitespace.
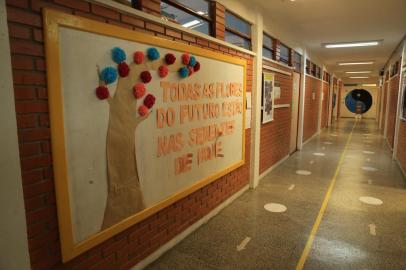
{"x":327,"y":21}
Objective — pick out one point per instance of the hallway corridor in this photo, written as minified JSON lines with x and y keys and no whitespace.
{"x":353,"y":159}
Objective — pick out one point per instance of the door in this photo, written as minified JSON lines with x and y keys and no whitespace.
{"x":295,"y":112}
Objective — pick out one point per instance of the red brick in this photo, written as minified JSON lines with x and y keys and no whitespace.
{"x":42,"y":93}
{"x":31,"y":177}
{"x":40,"y":64}
{"x":123,"y":25}
{"x":29,"y":149}
{"x":18,"y":3}
{"x":173,"y":33}
{"x":202,"y":42}
{"x":27,"y":120}
{"x":133,"y":21}
{"x":34,"y":203}
{"x":19,"y":31}
{"x":26,"y":48}
{"x":22,"y":62}
{"x":36,"y":229}
{"x":188,"y":38}
{"x":75,"y":4}
{"x":35,"y":163}
{"x":38,"y":36}
{"x":38,"y":188}
{"x":31,"y":106}
{"x":33,"y":134}
{"x":154,"y":27}
{"x":46,"y":239}
{"x":21,"y":93}
{"x":45,"y":147}
{"x":44,"y":120}
{"x":38,"y":5}
{"x":105,"y":12}
{"x":24,"y":17}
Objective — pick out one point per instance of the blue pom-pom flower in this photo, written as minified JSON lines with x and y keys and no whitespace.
{"x":118,"y":55}
{"x":153,"y":54}
{"x":108,"y":75}
{"x":183,"y":72}
{"x":192,"y":61}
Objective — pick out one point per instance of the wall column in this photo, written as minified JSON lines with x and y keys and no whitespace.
{"x":400,"y":102}
{"x":257,"y":30}
{"x":302,"y":102}
{"x":13,"y":228}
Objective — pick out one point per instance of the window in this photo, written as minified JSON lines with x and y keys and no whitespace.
{"x":284,"y":54}
{"x":297,"y":61}
{"x":192,"y":14}
{"x":238,"y":31}
{"x":308,"y":67}
{"x":267,"y":47}
{"x":314,"y":70}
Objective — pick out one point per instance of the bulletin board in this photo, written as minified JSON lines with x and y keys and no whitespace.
{"x":137,"y":123}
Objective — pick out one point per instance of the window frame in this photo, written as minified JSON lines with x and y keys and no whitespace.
{"x":289,"y":60}
{"x":299,"y":69}
{"x":235,"y":32}
{"x":271,"y":48}
{"x":186,"y":9}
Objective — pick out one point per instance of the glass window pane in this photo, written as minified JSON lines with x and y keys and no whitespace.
{"x":237,"y":24}
{"x":268,"y":42}
{"x":199,"y":6}
{"x":237,"y":40}
{"x":284,"y":53}
{"x":267,"y":53}
{"x":185,"y":19}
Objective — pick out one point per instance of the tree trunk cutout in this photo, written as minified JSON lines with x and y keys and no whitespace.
{"x":125,"y":196}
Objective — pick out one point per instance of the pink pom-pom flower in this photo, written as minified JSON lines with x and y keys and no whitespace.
{"x":170,"y":58}
{"x":102,"y":92}
{"x":143,"y":110}
{"x":139,"y":90}
{"x":163,"y":71}
{"x":185,"y":58}
{"x":139,"y":57}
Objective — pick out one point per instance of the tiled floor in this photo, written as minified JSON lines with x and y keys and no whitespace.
{"x":351,"y":235}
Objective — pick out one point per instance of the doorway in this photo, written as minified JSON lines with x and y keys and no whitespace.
{"x":295,"y":112}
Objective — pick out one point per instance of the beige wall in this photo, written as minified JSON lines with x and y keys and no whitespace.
{"x":13,"y":231}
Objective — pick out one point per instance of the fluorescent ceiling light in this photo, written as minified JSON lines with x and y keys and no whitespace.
{"x":359,"y":77}
{"x":358,"y":72}
{"x":356,"y":63}
{"x":351,"y":44}
{"x":191,"y":23}
{"x":369,"y":84}
{"x":200,"y":12}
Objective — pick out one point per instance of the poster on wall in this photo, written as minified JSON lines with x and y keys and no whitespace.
{"x":124,"y":108}
{"x":268,"y":98}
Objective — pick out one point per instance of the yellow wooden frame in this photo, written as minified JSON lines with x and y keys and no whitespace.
{"x":52,"y":21}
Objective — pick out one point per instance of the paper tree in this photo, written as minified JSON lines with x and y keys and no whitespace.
{"x":129,"y":107}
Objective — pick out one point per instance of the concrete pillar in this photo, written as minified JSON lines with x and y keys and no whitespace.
{"x":13,"y":228}
{"x":257,"y":37}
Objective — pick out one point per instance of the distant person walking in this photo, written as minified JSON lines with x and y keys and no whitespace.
{"x":358,"y":110}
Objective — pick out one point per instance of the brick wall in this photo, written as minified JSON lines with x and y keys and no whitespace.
{"x":401,"y":153}
{"x":393,"y":104}
{"x":29,"y":74}
{"x":275,"y":135}
{"x":311,"y":109}
{"x":325,"y":107}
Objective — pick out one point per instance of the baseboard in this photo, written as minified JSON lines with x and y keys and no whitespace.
{"x":311,"y":138}
{"x":262,"y":175}
{"x":158,"y":253}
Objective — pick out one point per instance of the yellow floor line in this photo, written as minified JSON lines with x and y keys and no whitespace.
{"x":316,"y":225}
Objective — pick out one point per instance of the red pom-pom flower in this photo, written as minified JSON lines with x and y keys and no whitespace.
{"x":123,"y":69}
{"x":196,"y":67}
{"x":163,"y":71}
{"x":145,"y":76}
{"x":139,"y":90}
{"x":149,"y":101}
{"x":185,"y":58}
{"x":143,"y":110}
{"x":191,"y":70}
{"x":170,"y":58}
{"x":139,"y":57}
{"x":102,"y":92}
